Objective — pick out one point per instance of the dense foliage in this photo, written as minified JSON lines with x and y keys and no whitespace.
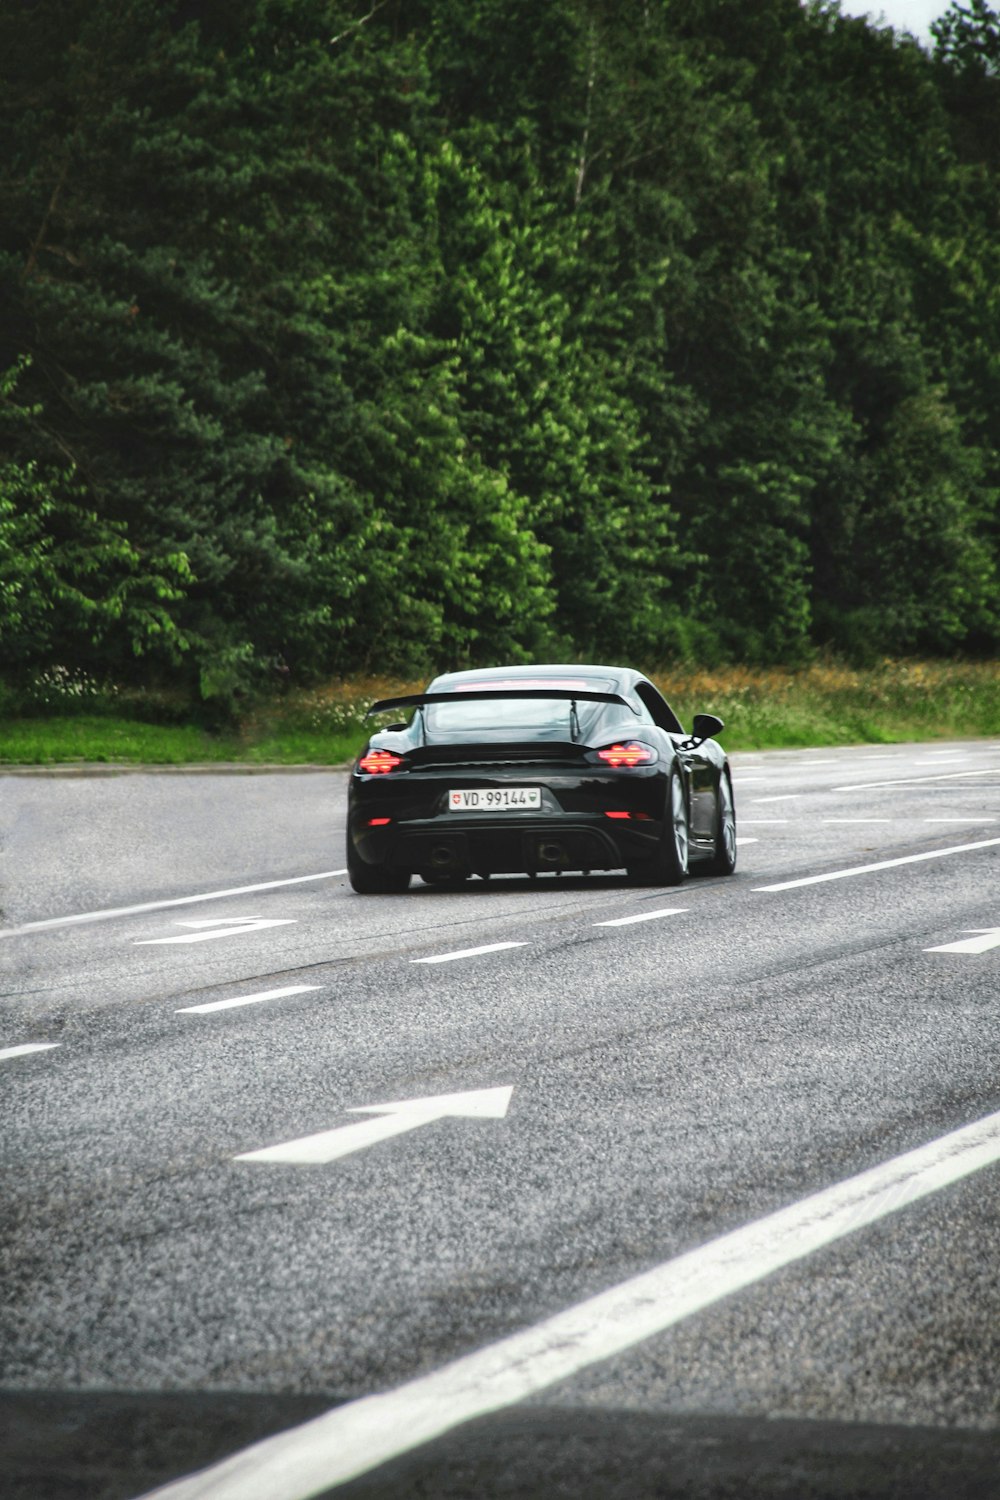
{"x":339,"y":334}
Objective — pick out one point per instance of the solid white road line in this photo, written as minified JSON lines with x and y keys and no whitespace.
{"x":740,"y":841}
{"x":128,"y":911}
{"x":26,"y":1047}
{"x":755,"y":821}
{"x":643,"y":916}
{"x":866,"y":786}
{"x":358,"y":1436}
{"x":784,"y":797}
{"x":447,"y":958}
{"x":204,"y":1010}
{"x":882,"y":864}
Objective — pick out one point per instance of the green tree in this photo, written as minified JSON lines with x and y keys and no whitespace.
{"x":72,"y":588}
{"x":426,"y":333}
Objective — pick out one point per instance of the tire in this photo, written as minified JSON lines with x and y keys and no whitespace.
{"x":723,"y":861}
{"x":669,"y":864}
{"x":373,"y":880}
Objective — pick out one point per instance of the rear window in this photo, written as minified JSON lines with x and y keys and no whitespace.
{"x":501,"y":715}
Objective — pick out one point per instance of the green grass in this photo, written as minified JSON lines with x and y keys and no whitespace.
{"x":832,"y":704}
{"x":93,"y":737}
{"x":104,"y":739}
{"x":825,"y":704}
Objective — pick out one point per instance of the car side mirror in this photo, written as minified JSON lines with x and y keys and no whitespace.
{"x":705,"y":727}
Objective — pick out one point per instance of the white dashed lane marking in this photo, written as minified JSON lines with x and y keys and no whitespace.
{"x":985,"y":938}
{"x":26,"y":1047}
{"x":958,"y":820}
{"x":204,"y":1010}
{"x":447,"y":958}
{"x":643,"y":916}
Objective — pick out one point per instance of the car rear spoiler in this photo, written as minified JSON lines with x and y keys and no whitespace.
{"x":568,"y":695}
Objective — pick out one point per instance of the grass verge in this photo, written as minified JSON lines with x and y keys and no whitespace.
{"x":832,"y":704}
{"x":824,"y":704}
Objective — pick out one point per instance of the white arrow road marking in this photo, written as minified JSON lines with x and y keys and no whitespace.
{"x":218,"y":927}
{"x":989,"y":938}
{"x":26,"y":1047}
{"x":393,"y":1119}
{"x":447,"y":958}
{"x":204,"y":1010}
{"x":358,"y":1436}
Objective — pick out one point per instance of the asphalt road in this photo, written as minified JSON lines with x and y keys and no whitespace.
{"x":643,"y":1259}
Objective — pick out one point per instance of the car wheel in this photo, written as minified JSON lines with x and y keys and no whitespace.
{"x":669,"y":864}
{"x":723,"y":861}
{"x":373,"y":880}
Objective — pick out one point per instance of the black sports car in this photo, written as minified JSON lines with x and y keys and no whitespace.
{"x":528,"y":769}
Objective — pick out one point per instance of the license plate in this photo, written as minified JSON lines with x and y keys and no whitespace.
{"x":496,"y":799}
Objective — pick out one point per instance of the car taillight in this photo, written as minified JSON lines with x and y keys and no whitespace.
{"x":379,"y":762}
{"x":631,"y":754}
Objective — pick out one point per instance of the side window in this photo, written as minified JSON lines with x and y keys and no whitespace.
{"x":659,"y":709}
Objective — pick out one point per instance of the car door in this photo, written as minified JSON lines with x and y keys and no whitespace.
{"x":698,"y":768}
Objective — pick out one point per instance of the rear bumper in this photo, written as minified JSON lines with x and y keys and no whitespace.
{"x":514,"y":846}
